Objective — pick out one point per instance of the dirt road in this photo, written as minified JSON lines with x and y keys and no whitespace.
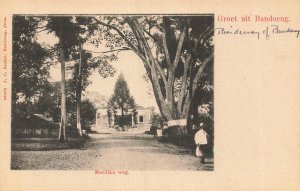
{"x":113,"y":151}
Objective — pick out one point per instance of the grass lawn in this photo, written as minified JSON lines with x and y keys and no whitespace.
{"x":46,"y":144}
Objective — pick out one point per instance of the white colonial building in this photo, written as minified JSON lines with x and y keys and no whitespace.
{"x":139,"y":117}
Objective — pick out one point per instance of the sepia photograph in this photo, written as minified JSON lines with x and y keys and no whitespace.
{"x":112,"y":92}
{"x":149,"y":95}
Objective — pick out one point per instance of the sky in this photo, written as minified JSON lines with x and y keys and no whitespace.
{"x":128,"y":63}
{"x":131,"y":66}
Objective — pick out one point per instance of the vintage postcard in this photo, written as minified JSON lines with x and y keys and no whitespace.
{"x":149,"y":95}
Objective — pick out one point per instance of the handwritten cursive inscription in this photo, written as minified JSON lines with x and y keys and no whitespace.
{"x":271,"y":30}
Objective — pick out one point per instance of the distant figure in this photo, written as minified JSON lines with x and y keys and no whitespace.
{"x":155,"y":131}
{"x":85,"y":133}
{"x":201,"y":141}
{"x":165,"y":129}
{"x":165,"y":125}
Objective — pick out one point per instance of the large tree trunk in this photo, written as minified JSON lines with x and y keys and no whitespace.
{"x":152,"y":67}
{"x":166,"y":103}
{"x":78,"y":115}
{"x":78,"y":112}
{"x":62,"y":131}
{"x":164,"y":109}
{"x":78,"y":95}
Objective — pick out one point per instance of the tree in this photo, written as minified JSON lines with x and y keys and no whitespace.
{"x":79,"y":92}
{"x":48,"y":103}
{"x":175,"y":51}
{"x":67,"y":33}
{"x":88,"y":114}
{"x":86,"y":63}
{"x":121,"y":98}
{"x":30,"y":64}
{"x":81,"y":72}
{"x":32,"y":61}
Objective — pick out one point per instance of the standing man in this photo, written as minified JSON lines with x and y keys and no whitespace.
{"x":201,"y":141}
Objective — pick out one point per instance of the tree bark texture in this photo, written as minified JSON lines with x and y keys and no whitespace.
{"x":63,"y":122}
{"x":78,"y":95}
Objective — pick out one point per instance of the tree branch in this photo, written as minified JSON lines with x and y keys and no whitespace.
{"x":184,"y":81}
{"x":204,"y":34}
{"x":156,"y":86}
{"x":148,"y":21}
{"x":199,"y":72}
{"x":143,"y":39}
{"x":149,"y":34}
{"x":187,"y":104}
{"x":209,"y":31}
{"x":194,"y":84}
{"x":142,"y":47}
{"x":134,"y":48}
{"x":138,"y":39}
{"x":161,"y":73}
{"x":166,"y":50}
{"x":179,"y":47}
{"x":120,"y":49}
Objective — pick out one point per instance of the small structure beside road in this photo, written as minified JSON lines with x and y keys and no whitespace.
{"x":36,"y":125}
